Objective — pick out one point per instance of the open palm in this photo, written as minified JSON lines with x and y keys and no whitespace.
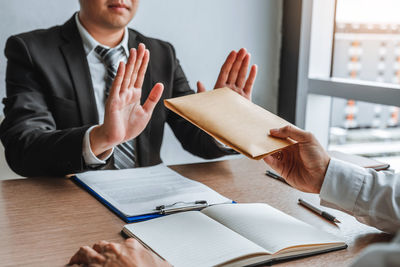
{"x":233,"y":74}
{"x":125,"y":118}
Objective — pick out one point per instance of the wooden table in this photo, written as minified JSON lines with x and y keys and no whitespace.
{"x":43,"y":221}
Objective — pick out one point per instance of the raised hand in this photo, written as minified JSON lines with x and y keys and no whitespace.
{"x":124,"y":117}
{"x":233,"y":74}
{"x":129,"y":254}
{"x":304,"y":164}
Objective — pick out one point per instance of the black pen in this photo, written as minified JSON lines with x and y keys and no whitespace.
{"x":317,"y":210}
{"x":275,"y":176}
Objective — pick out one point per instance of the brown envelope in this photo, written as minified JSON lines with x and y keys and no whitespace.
{"x":233,"y":120}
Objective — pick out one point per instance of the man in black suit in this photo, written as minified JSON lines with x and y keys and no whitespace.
{"x":63,"y":113}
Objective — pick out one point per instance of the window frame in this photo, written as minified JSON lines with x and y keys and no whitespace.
{"x":315,"y":86}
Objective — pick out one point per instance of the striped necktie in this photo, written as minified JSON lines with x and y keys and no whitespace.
{"x":124,"y":154}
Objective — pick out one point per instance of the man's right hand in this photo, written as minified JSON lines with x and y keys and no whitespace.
{"x":124,"y":117}
{"x":304,"y":164}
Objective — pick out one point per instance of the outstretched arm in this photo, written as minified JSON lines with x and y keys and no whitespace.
{"x":370,"y":196}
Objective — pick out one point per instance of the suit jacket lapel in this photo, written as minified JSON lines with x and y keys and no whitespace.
{"x":75,"y":58}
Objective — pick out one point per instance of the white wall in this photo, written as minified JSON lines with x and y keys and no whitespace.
{"x":203,"y":32}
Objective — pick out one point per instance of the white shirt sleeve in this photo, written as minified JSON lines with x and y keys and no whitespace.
{"x":88,"y":156}
{"x":380,"y":255}
{"x":370,"y":196}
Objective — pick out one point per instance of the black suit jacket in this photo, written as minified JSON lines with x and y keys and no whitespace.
{"x":50,"y":103}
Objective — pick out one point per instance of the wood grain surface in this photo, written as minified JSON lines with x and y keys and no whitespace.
{"x":43,"y":221}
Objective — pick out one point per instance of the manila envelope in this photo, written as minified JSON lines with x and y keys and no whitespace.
{"x":233,"y":120}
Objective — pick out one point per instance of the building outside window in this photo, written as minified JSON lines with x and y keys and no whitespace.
{"x":353,"y":80}
{"x":366,"y":47}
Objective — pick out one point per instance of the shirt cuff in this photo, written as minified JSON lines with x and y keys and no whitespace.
{"x":88,"y":156}
{"x":342,"y":185}
{"x":224,"y":147}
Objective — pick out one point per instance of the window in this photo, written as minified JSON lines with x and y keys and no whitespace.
{"x":350,"y":52}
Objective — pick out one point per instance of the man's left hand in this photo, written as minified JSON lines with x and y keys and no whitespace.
{"x":233,"y":74}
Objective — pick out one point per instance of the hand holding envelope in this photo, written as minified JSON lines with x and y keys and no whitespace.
{"x":233,"y":120}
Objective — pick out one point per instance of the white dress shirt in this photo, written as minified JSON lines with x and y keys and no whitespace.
{"x":372,"y":198}
{"x":98,"y":72}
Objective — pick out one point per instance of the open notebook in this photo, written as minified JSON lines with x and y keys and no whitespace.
{"x":233,"y":120}
{"x":231,"y":235}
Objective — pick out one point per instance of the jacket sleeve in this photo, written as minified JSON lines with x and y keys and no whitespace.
{"x":370,"y":196}
{"x":33,"y":144}
{"x":193,"y":139}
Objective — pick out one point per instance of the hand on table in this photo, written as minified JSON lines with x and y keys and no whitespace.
{"x":124,"y":117}
{"x":304,"y":164}
{"x":233,"y":74}
{"x":128,"y":254}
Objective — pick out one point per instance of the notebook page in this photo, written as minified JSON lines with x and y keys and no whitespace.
{"x":268,"y":227}
{"x":138,"y":191}
{"x":192,"y":239}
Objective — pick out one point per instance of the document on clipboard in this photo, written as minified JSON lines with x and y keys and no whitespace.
{"x":149,"y":192}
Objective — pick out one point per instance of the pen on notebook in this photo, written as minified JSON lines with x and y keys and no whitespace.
{"x":317,"y":210}
{"x":275,"y":176}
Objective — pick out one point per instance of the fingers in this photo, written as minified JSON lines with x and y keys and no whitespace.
{"x":225,"y":70}
{"x":234,"y":71}
{"x":113,"y":248}
{"x":116,"y":86}
{"x":99,"y":246}
{"x":142,"y":69}
{"x":153,"y":98}
{"x":233,"y":74}
{"x":86,"y":255}
{"x":250,"y":81}
{"x":132,"y":74}
{"x":200,"y":87}
{"x":135,"y":71}
{"x":241,"y":79}
{"x":130,"y":65}
{"x":269,"y":160}
{"x":139,"y":59}
{"x":274,"y":159}
{"x":134,"y":244}
{"x":292,"y":132}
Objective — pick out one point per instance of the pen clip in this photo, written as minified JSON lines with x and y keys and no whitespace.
{"x":168,"y":209}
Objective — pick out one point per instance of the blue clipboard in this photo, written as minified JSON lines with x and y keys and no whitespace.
{"x":113,"y":209}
